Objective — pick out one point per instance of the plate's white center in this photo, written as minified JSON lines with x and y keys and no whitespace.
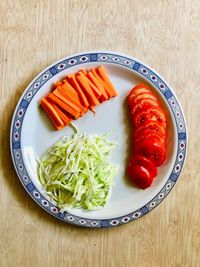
{"x":38,"y":135}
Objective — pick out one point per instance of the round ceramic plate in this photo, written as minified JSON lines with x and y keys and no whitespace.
{"x":32,"y":134}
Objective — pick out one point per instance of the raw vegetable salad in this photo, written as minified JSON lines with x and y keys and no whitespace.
{"x":77,"y":172}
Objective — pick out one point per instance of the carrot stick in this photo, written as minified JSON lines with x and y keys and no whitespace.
{"x":105,"y":77}
{"x":71,"y":100}
{"x":98,"y":84}
{"x":69,"y":89}
{"x":66,"y":119}
{"x":52,"y":114}
{"x":92,"y":109}
{"x":97,"y":92}
{"x":84,"y":71}
{"x":57,"y":93}
{"x":58,"y":83}
{"x":104,"y":84}
{"x":63,"y":105}
{"x":83,"y":81}
{"x":79,"y":90}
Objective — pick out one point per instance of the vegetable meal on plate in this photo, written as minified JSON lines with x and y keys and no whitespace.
{"x":76,"y":172}
{"x":98,"y":139}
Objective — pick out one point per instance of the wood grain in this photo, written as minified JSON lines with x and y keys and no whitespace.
{"x":164,"y":34}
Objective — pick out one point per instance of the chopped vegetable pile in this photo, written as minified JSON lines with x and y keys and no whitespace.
{"x":76,"y":172}
{"x":71,"y":98}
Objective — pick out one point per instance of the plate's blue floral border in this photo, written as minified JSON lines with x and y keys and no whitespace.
{"x":63,"y":65}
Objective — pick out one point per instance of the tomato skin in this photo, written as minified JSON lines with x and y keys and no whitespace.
{"x":141,"y":177}
{"x":134,"y":98}
{"x":135,"y":92}
{"x":140,"y":88}
{"x":149,"y":114}
{"x":144,"y":162}
{"x":150,"y":136}
{"x":152,"y":149}
{"x":143,"y":103}
{"x":139,"y":91}
{"x":150,"y":129}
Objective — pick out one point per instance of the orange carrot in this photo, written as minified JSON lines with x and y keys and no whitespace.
{"x":98,"y":84}
{"x":105,"y":77}
{"x":103,"y":83}
{"x":92,"y":109}
{"x":63,"y":105}
{"x":69,"y":89}
{"x":75,"y":94}
{"x":58,"y":83}
{"x":57,"y":93}
{"x":88,"y":91}
{"x":84,"y":71}
{"x":66,"y":119}
{"x":79,"y":90}
{"x":71,"y":100}
{"x":52,"y":114}
{"x":97,"y":92}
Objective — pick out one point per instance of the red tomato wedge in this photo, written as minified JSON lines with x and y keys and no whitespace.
{"x":152,"y":149}
{"x":141,"y":161}
{"x":149,"y":114}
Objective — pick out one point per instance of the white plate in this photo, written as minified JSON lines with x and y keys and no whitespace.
{"x":32,"y":134}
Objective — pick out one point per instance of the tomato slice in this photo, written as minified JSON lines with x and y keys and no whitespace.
{"x":133,"y":99}
{"x":142,"y":103}
{"x":139,"y":86}
{"x":144,"y":162}
{"x":138,"y":90}
{"x":151,"y":127}
{"x":152,"y":149}
{"x":149,"y":114}
{"x":150,"y":136}
{"x":141,"y":177}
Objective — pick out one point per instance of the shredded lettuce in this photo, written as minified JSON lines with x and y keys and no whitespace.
{"x":76,"y":172}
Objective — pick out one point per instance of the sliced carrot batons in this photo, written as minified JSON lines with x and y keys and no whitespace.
{"x":63,"y":105}
{"x":99,"y":85}
{"x":65,"y":118}
{"x":74,"y":95}
{"x":77,"y":87}
{"x":73,"y":101}
{"x":52,"y":114}
{"x":105,"y":77}
{"x":87,"y":90}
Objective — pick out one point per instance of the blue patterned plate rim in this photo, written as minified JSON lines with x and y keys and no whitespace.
{"x":103,"y":57}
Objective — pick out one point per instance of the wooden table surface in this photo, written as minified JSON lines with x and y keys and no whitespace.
{"x":165,"y":35}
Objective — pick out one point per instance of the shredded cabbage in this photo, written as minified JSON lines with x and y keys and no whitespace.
{"x":76,"y":172}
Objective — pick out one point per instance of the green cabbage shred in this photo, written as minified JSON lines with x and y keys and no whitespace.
{"x":76,"y":172}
